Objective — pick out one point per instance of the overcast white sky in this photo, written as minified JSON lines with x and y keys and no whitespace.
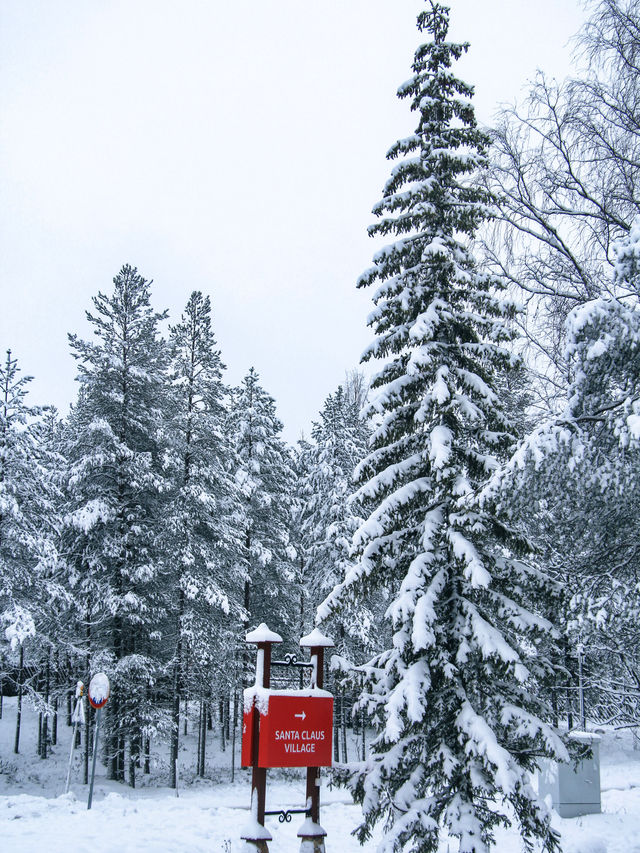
{"x":232,"y":147}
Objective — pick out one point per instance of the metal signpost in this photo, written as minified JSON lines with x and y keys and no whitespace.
{"x":98,"y":697}
{"x":78,"y":717}
{"x":583,"y":716}
{"x":287,"y":728}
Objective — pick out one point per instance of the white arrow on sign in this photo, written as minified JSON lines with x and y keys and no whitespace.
{"x":302,"y":715}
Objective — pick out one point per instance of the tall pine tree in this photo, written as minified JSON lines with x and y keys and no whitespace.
{"x":329,"y":517}
{"x":201,"y":530}
{"x":265,"y":479}
{"x":115,"y":494}
{"x":454,"y":697}
{"x":29,"y":588}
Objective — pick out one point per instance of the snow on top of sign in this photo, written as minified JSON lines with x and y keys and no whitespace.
{"x":99,"y":687}
{"x":263,"y":634}
{"x":316,"y":638}
{"x":260,"y":696}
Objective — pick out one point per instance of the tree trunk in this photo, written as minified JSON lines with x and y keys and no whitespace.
{"x":233,"y":735}
{"x":203,"y":736}
{"x":87,"y":744}
{"x":186,"y":690}
{"x":198,"y":746}
{"x":45,"y":716}
{"x":177,"y":687}
{"x":88,"y":709}
{"x":134,"y":750}
{"x":54,"y":723}
{"x":345,"y":756}
{"x":116,"y":743}
{"x":569,"y":698}
{"x":16,"y":743}
{"x":56,"y":682}
{"x":221,"y":720}
{"x":246,"y":661}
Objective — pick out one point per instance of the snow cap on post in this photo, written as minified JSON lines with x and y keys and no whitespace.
{"x":316,"y":640}
{"x":99,"y":690}
{"x":262,"y":634}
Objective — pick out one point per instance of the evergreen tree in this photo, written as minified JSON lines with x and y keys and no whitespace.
{"x":16,"y":533}
{"x":56,"y":616}
{"x":201,"y":524}
{"x":330,"y":518}
{"x":115,"y":492}
{"x":265,"y":478}
{"x":461,"y":724}
{"x":303,"y":462}
{"x":29,"y":588}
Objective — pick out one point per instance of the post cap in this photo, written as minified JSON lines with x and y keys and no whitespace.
{"x":317,"y":639}
{"x":263,"y":634}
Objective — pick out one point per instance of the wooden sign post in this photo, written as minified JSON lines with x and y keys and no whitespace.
{"x":311,"y":833}
{"x":287,"y":728}
{"x":256,"y":835}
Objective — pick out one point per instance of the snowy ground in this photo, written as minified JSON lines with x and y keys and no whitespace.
{"x":208,"y":815}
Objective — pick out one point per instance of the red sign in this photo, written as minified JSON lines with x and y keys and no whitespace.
{"x":247,"y":736}
{"x":296,"y":732}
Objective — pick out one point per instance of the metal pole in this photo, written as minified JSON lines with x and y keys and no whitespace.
{"x":583,"y":718}
{"x":95,"y":753}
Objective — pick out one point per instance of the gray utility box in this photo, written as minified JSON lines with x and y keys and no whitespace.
{"x":574,"y":792}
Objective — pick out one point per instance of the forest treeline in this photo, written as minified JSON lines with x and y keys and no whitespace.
{"x":145,"y":531}
{"x":467,"y":526}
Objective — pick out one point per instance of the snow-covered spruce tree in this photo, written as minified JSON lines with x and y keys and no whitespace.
{"x":29,"y":590}
{"x":303,"y":460}
{"x":55,"y":617}
{"x":201,"y":532}
{"x":265,"y":478}
{"x":330,"y":519}
{"x":454,"y":698}
{"x":115,"y":495}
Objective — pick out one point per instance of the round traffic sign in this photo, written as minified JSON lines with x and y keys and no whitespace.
{"x":99,"y":690}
